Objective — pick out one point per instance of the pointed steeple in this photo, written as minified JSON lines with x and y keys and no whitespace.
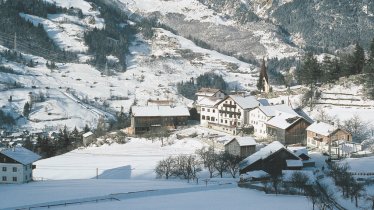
{"x":263,"y":71}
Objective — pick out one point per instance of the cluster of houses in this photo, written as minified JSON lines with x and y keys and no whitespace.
{"x":241,"y":115}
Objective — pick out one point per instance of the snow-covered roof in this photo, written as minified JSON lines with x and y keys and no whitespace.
{"x":262,"y":154}
{"x":21,"y":155}
{"x":207,"y":92}
{"x":87,"y":134}
{"x":247,"y":102}
{"x":283,"y":120}
{"x":243,"y":141}
{"x":159,"y":111}
{"x":209,"y":101}
{"x":322,"y":128}
{"x":294,"y":163}
{"x":263,"y":102}
{"x":254,"y":174}
{"x":287,"y":175}
{"x":298,"y":150}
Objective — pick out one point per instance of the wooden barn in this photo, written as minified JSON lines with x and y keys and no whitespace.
{"x":272,"y":159}
{"x":148,"y":118}
{"x":321,"y":135}
{"x":241,"y":146}
{"x":287,"y":130}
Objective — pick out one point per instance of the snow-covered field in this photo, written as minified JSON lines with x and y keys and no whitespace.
{"x":126,"y":179}
{"x":157,"y":194}
{"x":133,"y":160}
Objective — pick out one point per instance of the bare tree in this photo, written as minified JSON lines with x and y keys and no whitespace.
{"x":232,"y":164}
{"x":299,"y":180}
{"x":312,"y":194}
{"x":208,"y":157}
{"x":371,"y":198}
{"x":220,"y":163}
{"x":359,"y":128}
{"x":356,"y":191}
{"x":165,"y":167}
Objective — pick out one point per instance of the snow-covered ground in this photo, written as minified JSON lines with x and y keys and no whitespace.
{"x":158,"y":194}
{"x":133,"y":160}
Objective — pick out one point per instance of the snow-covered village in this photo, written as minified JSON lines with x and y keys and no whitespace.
{"x":186,"y":104}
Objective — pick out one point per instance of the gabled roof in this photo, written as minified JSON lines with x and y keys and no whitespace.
{"x":21,"y":155}
{"x":207,"y":91}
{"x":263,"y":102}
{"x":283,"y":121}
{"x":243,"y":141}
{"x":209,"y":101}
{"x":159,"y":111}
{"x":322,"y":128}
{"x":87,"y":134}
{"x":263,"y":153}
{"x":248,"y":102}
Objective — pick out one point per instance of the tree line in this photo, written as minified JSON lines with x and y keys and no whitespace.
{"x":207,"y":80}
{"x":30,"y":38}
{"x":311,"y":72}
{"x":61,"y":142}
{"x":113,"y":39}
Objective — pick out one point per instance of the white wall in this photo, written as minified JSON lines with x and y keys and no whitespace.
{"x":258,"y":119}
{"x":20,"y":174}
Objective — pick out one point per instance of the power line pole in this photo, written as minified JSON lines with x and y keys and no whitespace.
{"x":15,"y":42}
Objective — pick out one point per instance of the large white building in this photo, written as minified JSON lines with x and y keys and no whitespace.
{"x":229,"y":114}
{"x":16,"y":165}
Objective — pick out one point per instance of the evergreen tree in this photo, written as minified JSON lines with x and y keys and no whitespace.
{"x":369,"y":73}
{"x":310,"y":72}
{"x":26,"y":109}
{"x":358,"y":59}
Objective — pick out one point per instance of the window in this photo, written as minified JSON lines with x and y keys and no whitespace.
{"x":214,"y":111}
{"x":207,"y":118}
{"x":4,"y":168}
{"x":221,"y":121}
{"x":212,"y":119}
{"x":226,"y":121}
{"x":4,"y":178}
{"x":14,"y":169}
{"x":203,"y":117}
{"x":14,"y":179}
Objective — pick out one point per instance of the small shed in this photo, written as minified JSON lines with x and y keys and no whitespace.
{"x":88,"y":138}
{"x":241,"y":146}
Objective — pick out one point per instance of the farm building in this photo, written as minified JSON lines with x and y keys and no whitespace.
{"x":241,"y":146}
{"x":148,"y":118}
{"x":272,"y":159}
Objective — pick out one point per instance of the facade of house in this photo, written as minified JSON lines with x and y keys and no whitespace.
{"x":148,"y":118}
{"x":322,"y":135}
{"x":88,"y":138}
{"x":209,"y":92}
{"x":208,"y":110}
{"x":272,"y":159}
{"x":260,"y":116}
{"x":16,"y":165}
{"x":241,"y":146}
{"x":287,"y":129}
{"x":233,"y":113}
